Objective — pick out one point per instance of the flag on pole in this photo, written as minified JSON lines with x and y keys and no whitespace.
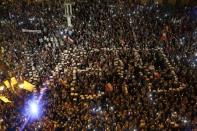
{"x":4,"y":99}
{"x":13,"y":82}
{"x":28,"y":86}
{"x":7,"y":84}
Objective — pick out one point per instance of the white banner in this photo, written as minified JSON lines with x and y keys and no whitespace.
{"x":31,"y":31}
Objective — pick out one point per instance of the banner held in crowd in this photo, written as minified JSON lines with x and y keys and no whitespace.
{"x":31,"y":31}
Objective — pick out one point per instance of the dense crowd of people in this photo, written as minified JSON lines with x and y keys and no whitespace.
{"x":122,"y":66}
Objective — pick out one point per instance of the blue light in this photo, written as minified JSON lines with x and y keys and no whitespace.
{"x":34,"y":108}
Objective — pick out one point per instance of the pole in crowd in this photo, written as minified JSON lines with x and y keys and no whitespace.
{"x":68,"y":12}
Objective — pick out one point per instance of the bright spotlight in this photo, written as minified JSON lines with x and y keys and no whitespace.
{"x":34,"y":108}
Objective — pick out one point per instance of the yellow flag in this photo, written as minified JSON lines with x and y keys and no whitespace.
{"x":13,"y":82}
{"x":4,"y":99}
{"x":28,"y":86}
{"x":7,"y":84}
